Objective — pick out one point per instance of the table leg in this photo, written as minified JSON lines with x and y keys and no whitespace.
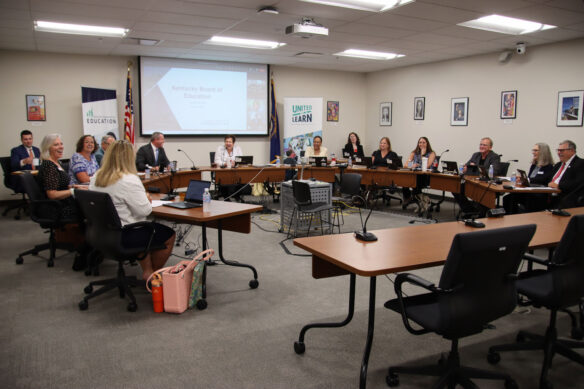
{"x":299,"y":347}
{"x":253,"y":283}
{"x":204,"y":283}
{"x":370,"y":328}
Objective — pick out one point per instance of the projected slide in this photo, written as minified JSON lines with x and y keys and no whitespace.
{"x":189,"y":97}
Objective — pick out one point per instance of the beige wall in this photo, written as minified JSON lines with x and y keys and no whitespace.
{"x":537,"y":76}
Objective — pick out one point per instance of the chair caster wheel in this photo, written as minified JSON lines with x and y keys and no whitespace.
{"x":299,"y":348}
{"x":83,"y":305}
{"x":132,"y":307}
{"x":253,"y":284}
{"x":16,"y":217}
{"x":88,"y":289}
{"x":493,"y":358}
{"x":577,"y":333}
{"x":50,"y":263}
{"x":546,"y":385}
{"x":201,"y":304}
{"x":520,"y":338}
{"x":19,"y":261}
{"x":35,"y":253}
{"x":392,"y":380}
{"x":511,"y":384}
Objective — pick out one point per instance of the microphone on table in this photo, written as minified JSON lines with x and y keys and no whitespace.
{"x":363,"y":235}
{"x":440,"y":158}
{"x":169,"y":193}
{"x":193,"y":167}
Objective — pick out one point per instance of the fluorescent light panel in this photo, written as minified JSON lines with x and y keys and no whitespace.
{"x":506,"y":25}
{"x":79,"y":29}
{"x":246,"y":43}
{"x":369,"y":54}
{"x":363,"y":5}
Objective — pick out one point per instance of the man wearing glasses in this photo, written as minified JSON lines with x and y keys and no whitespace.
{"x":484,"y":157}
{"x":568,"y":174}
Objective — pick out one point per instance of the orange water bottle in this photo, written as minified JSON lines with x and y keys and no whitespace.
{"x":157,"y":294}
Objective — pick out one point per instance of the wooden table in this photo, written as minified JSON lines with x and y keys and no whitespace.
{"x":396,"y":250}
{"x":486,"y":193}
{"x":385,"y":177}
{"x":223,"y":215}
{"x":162,"y":181}
{"x":245,"y":174}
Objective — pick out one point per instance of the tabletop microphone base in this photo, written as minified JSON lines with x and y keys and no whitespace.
{"x":365,"y":236}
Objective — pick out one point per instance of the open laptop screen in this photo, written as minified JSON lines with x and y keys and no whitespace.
{"x":244,"y":160}
{"x":317,"y":161}
{"x":195,"y":191}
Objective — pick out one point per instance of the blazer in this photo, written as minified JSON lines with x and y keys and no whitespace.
{"x":573,"y":176}
{"x":145,"y":156}
{"x":378,"y":160}
{"x":543,"y":176}
{"x":349,"y":149}
{"x":19,"y":153}
{"x":491,"y":159}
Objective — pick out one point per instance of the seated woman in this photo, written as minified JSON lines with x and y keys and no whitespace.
{"x":54,"y":181}
{"x":225,"y":154}
{"x":540,"y":173}
{"x":384,"y":156}
{"x":118,"y":177}
{"x":316,"y":150}
{"x":83,"y":164}
{"x":423,"y":150}
{"x":353,"y":148}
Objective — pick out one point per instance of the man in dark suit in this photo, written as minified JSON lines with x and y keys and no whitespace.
{"x":152,"y":154}
{"x":568,"y":175}
{"x":23,"y":156}
{"x":484,"y":157}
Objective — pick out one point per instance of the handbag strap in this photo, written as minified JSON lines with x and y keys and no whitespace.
{"x":202,"y":256}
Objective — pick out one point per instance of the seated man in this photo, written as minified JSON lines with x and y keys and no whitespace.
{"x":568,"y":175}
{"x":484,"y":157}
{"x":152,"y":154}
{"x":106,"y":140}
{"x":22,"y":157}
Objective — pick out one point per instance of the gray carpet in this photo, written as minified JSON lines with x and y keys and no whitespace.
{"x":244,"y":339}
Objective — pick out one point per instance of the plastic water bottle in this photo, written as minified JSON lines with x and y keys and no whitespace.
{"x":461,"y":169}
{"x":147,"y":173}
{"x":333,"y":160}
{"x":513,"y":179}
{"x":206,"y":200}
{"x":350,"y":163}
{"x":491,"y":172}
{"x":278,"y":161}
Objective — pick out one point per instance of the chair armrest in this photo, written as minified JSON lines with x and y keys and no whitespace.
{"x":46,"y":211}
{"x":415,"y":280}
{"x":536,"y":259}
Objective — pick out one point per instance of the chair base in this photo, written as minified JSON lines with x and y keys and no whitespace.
{"x":122,"y":282}
{"x":52,"y":245}
{"x":19,"y":206}
{"x":450,"y":372}
{"x":549,"y":343}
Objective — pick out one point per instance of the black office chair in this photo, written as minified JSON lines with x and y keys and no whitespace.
{"x":558,"y":286}
{"x":477,"y":286}
{"x":305,"y":206}
{"x":48,"y":214}
{"x":104,"y":232}
{"x":10,"y":183}
{"x":65,"y":163}
{"x":350,"y":187}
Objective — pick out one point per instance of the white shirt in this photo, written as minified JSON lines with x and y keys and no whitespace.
{"x":222,"y":156}
{"x":310,"y":152}
{"x":129,"y":198}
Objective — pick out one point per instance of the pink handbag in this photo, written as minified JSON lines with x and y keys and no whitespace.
{"x":177,"y":280}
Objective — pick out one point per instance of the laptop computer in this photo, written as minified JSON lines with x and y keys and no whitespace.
{"x":363,"y":161}
{"x":244,"y":160}
{"x":194,"y":195}
{"x":524,"y":180}
{"x":449,"y":167}
{"x":317,"y":161}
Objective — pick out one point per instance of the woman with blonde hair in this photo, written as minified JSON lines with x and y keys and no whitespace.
{"x":118,"y":178}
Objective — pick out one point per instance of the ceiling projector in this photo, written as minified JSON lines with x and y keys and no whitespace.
{"x":306,"y":29}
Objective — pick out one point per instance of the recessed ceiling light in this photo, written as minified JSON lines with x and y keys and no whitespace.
{"x":369,"y":54}
{"x":269,"y":10}
{"x":506,"y":25}
{"x":363,"y":5}
{"x":79,"y":29}
{"x":246,"y":43}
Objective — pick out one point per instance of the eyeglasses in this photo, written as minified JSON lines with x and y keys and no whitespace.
{"x":484,"y":144}
{"x":561,"y":150}
{"x":534,"y":150}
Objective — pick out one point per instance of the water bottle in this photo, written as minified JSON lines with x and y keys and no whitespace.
{"x":513,"y":179}
{"x":333,"y":160}
{"x":147,"y":173}
{"x":157,"y":294}
{"x":206,"y":200}
{"x":277,"y":161}
{"x":461,"y":169}
{"x":491,"y":172}
{"x":350,"y":163}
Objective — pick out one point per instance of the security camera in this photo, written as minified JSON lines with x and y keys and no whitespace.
{"x":520,"y":48}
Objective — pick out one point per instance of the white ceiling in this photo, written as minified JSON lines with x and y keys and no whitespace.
{"x":425,"y":31}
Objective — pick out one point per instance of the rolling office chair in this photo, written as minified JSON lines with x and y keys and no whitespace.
{"x":104,"y":232}
{"x":477,"y":286}
{"x":350,"y":187}
{"x":9,"y":182}
{"x":48,"y":214}
{"x":558,"y":286}
{"x":303,"y":205}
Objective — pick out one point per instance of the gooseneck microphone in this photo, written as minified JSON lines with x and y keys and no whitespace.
{"x":363,"y":235}
{"x":440,"y":157}
{"x":193,"y":167}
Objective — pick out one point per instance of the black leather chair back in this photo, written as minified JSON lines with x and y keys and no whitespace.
{"x":301,"y":191}
{"x":7,"y":169}
{"x":501,"y":168}
{"x":212,"y":157}
{"x":351,"y":184}
{"x":479,"y":270}
{"x":31,"y":187}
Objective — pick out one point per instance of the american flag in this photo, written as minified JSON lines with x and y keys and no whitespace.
{"x":274,"y":125}
{"x":129,"y":113}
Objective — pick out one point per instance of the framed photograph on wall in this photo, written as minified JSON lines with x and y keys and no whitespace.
{"x":385,"y":114}
{"x":419,"y":108}
{"x":570,"y":108}
{"x":35,"y":108}
{"x":509,"y":104}
{"x":459,"y":112}
{"x":332,"y":111}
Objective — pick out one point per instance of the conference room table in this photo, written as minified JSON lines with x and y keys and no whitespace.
{"x":398,"y":250}
{"x":487,"y":193}
{"x":167,"y":181}
{"x":222,"y":215}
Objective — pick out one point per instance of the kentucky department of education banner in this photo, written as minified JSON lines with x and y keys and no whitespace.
{"x":100,"y":112}
{"x":302,"y":121}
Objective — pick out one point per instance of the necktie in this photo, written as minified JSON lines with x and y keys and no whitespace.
{"x":559,"y":172}
{"x":30,"y":154}
{"x":156,"y":157}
